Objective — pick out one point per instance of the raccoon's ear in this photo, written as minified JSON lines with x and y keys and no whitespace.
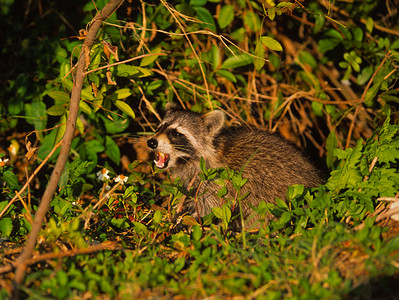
{"x":214,"y":121}
{"x":170,"y":106}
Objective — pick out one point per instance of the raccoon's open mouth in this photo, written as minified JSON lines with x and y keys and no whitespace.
{"x":161,"y":160}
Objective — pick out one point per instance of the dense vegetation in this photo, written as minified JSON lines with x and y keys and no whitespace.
{"x":324,"y":74}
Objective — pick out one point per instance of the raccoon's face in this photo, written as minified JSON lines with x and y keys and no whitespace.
{"x":184,"y":136}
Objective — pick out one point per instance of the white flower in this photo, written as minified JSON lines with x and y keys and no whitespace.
{"x":3,"y":162}
{"x":121,"y":178}
{"x":103,"y":174}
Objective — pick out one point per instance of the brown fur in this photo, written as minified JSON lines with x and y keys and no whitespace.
{"x":269,"y":162}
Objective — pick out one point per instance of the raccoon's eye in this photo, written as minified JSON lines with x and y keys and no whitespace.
{"x":175,"y":133}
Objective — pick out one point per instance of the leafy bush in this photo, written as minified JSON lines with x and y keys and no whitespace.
{"x":324,"y":74}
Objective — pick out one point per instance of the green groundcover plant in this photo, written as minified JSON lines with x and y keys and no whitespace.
{"x":321,"y":73}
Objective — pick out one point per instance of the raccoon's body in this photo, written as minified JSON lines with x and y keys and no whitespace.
{"x":269,"y":162}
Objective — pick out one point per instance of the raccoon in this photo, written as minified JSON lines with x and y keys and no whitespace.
{"x":268,"y":162}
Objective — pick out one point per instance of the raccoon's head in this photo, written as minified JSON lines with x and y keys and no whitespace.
{"x":184,"y":136}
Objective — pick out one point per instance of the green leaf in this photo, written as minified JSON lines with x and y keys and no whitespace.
{"x":295,"y":191}
{"x":226,"y":16}
{"x":371,"y":93}
{"x":87,"y":93}
{"x":62,"y":278}
{"x":68,"y":84}
{"x":222,"y":192}
{"x":61,"y":129}
{"x":150,"y":59}
{"x":252,"y":21}
{"x":271,"y":43}
{"x":307,"y":58}
{"x":125,"y":108}
{"x":197,"y":233}
{"x":281,"y":203}
{"x":47,"y":145}
{"x":120,"y":223}
{"x":216,"y":58}
{"x":205,"y":16}
{"x":331,"y":144}
{"x":79,"y":126}
{"x":56,"y":110}
{"x":94,"y":146}
{"x":123,"y":93}
{"x":285,"y":217}
{"x":348,"y":175}
{"x":143,"y":72}
{"x":358,"y":34}
{"x":36,"y":113}
{"x":271,"y":13}
{"x":330,"y":40}
{"x":5,"y":226}
{"x":259,"y":52}
{"x":223,"y":213}
{"x":84,"y":107}
{"x":140,"y":228}
{"x":129,"y":192}
{"x":237,"y":61}
{"x":118,"y":124}
{"x":364,"y":75}
{"x":319,"y":22}
{"x":126,"y":70}
{"x":157,"y":217}
{"x":59,"y":96}
{"x":387,"y":97}
{"x":11,"y":179}
{"x":204,"y":170}
{"x":198,"y":2}
{"x":317,"y":108}
{"x":369,"y":24}
{"x":112,"y":150}
{"x":3,"y":204}
{"x":228,"y":75}
{"x":238,"y":182}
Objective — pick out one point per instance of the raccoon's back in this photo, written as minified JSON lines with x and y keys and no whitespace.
{"x":269,"y":162}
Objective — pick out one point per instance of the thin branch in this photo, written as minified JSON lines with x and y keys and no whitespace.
{"x":95,"y":25}
{"x":18,"y":193}
{"x":352,"y":126}
{"x":173,"y":13}
{"x":69,"y":253}
{"x":124,"y":62}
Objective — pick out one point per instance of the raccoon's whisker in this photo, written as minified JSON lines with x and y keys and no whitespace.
{"x":185,"y":159}
{"x":182,"y":147}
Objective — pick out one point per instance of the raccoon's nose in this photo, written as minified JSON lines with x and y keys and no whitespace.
{"x":152,"y":143}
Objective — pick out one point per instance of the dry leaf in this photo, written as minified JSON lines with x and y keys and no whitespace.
{"x":189,"y":220}
{"x":31,"y":150}
{"x":110,"y":49}
{"x":82,"y":34}
{"x":110,"y":81}
{"x":94,"y":88}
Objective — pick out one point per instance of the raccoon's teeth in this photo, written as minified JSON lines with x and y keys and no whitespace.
{"x":161,"y":160}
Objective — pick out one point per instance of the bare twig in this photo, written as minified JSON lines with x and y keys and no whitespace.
{"x":26,"y":254}
{"x":173,"y":13}
{"x":124,"y":61}
{"x":348,"y":139}
{"x":29,"y":180}
{"x":41,"y":257}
